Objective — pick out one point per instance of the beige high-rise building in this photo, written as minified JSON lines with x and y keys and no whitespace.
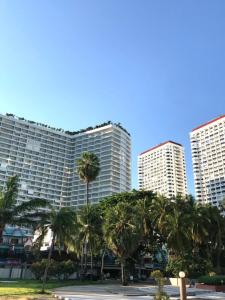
{"x":208,"y":157}
{"x":162,"y":169}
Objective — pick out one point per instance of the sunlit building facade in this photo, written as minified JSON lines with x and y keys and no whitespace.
{"x":208,"y":158}
{"x":45,"y":160}
{"x":162,"y":169}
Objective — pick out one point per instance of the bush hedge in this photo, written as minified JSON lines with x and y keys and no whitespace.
{"x":212,"y":280}
{"x":61,"y":270}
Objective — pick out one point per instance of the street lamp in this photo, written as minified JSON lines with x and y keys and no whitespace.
{"x":183,"y":295}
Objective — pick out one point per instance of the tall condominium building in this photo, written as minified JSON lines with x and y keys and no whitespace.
{"x":162,"y":169}
{"x":208,"y":157}
{"x":45,"y":160}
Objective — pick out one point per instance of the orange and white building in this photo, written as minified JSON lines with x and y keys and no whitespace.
{"x":162,"y":169}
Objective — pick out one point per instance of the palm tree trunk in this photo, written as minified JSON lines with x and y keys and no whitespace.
{"x":82,"y":258}
{"x":85,"y":255}
{"x":1,"y":232}
{"x":123,"y":273}
{"x":218,"y":267}
{"x":87,"y":193}
{"x":102,"y":264}
{"x":91,"y":261}
{"x":48,"y":264}
{"x":91,"y":264}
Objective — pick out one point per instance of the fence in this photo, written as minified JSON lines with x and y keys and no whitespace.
{"x":15,"y":272}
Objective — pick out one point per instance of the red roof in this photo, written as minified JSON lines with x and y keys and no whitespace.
{"x":214,"y":120}
{"x":153,"y":148}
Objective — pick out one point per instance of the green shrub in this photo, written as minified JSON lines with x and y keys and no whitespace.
{"x":160,"y":294}
{"x":212,"y":280}
{"x":38,"y":268}
{"x":61,"y":270}
{"x":67,"y":268}
{"x":174,"y":266}
{"x":193,"y":266}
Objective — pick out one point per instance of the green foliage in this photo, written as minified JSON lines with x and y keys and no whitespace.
{"x":89,"y":229}
{"x":174,"y":266}
{"x":212,"y":280}
{"x":38,"y":268}
{"x":88,"y":166}
{"x":61,"y":270}
{"x":212,"y":274}
{"x":158,"y":276}
{"x":61,"y":223}
{"x":162,"y":296}
{"x":192,"y":265}
{"x":67,"y":268}
{"x":28,"y":213}
{"x":123,"y":232}
{"x":123,"y":229}
{"x":132,"y":198}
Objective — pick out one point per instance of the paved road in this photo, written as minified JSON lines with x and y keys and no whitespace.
{"x":133,"y":292}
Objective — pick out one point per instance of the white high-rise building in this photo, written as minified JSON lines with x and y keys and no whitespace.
{"x":44,"y":158}
{"x":162,"y":169}
{"x":208,"y":157}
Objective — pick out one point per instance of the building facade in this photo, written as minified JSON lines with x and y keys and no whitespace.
{"x":208,"y":158}
{"x":162,"y":169}
{"x":45,"y":160}
{"x":15,"y":242}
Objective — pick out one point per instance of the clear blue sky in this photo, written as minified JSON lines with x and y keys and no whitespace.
{"x":158,"y":67}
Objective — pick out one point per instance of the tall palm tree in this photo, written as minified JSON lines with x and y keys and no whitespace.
{"x":123,"y":231}
{"x":62,"y":223}
{"x":88,"y":168}
{"x":87,"y":235}
{"x":23,"y":214}
{"x":172,"y":220}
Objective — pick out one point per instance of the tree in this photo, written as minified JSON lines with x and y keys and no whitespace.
{"x":88,"y":169}
{"x":87,"y":239}
{"x":62,"y":223}
{"x":123,"y":231}
{"x":142,"y":201}
{"x":26,"y":213}
{"x":172,"y":220}
{"x":217,"y":233}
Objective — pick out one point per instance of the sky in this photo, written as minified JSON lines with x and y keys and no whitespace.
{"x":155,"y":66}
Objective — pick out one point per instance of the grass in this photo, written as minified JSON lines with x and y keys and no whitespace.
{"x":33,"y":287}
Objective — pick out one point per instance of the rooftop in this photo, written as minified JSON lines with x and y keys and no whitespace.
{"x":160,"y":145}
{"x":212,"y":121}
{"x":67,"y":132}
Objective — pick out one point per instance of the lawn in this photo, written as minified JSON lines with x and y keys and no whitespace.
{"x":32,"y":287}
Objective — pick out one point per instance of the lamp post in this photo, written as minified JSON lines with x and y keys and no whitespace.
{"x":183,"y":295}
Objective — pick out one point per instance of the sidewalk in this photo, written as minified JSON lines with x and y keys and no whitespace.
{"x":118,"y":292}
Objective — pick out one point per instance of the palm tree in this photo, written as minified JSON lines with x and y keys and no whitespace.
{"x":123,"y":231}
{"x":172,"y":220}
{"x":88,"y":169}
{"x":23,"y":214}
{"x":88,"y":235}
{"x":217,"y":233}
{"x":62,"y":223}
